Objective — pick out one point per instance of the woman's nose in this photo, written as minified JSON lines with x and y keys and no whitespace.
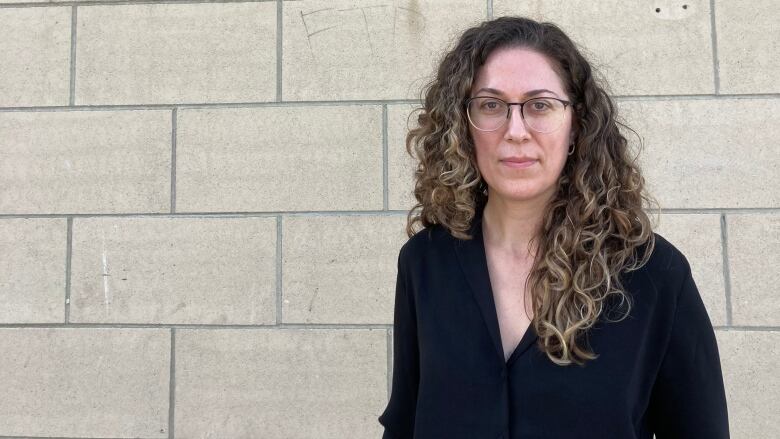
{"x":516,"y":125}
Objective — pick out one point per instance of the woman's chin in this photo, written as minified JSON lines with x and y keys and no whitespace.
{"x":518,"y":195}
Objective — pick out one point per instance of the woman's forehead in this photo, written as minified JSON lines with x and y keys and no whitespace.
{"x":516,"y":71}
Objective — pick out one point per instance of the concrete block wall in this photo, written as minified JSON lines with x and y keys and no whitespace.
{"x":201,"y":203}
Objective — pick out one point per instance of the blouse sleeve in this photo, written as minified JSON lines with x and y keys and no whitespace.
{"x":398,"y":416}
{"x":688,"y":398}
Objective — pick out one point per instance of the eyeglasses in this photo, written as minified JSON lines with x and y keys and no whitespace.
{"x":543,"y":114}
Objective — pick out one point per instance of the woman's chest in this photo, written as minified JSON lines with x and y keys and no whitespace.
{"x":455,"y":335}
{"x":610,"y":394}
{"x":512,"y":298}
{"x":513,"y":311}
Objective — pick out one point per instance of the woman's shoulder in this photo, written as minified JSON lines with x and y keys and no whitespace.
{"x":667,"y":270}
{"x":666,"y":259}
{"x":431,"y":238}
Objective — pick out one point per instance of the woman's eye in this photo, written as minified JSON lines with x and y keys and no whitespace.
{"x":541,"y":105}
{"x":491,"y":105}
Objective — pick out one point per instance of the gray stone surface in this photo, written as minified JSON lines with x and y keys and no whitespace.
{"x":400,"y":165}
{"x":748,"y":45}
{"x":346,"y":49}
{"x":85,"y":161}
{"x":754,"y":254}
{"x":749,"y":360}
{"x":639,"y":50}
{"x":96,"y":382}
{"x":32,"y":270}
{"x":285,"y":383}
{"x":698,"y":237}
{"x":279,"y":158}
{"x":35,"y":56}
{"x":340,"y":269}
{"x":174,"y":270}
{"x":172,"y":53}
{"x":709,"y":153}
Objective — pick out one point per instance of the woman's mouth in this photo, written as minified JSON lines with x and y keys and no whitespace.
{"x":518,"y":162}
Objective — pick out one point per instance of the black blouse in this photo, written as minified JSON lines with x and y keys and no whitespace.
{"x":658,"y":370}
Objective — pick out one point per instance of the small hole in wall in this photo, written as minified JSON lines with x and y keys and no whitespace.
{"x":685,"y":6}
{"x":657,"y":9}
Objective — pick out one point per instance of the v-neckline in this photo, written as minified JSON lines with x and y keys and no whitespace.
{"x":528,"y":337}
{"x":473,"y":261}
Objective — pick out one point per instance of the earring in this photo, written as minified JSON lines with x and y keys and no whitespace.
{"x":571,"y":150}
{"x":482,"y":187}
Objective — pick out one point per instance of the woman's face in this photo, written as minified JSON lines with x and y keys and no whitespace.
{"x":515,"y":75}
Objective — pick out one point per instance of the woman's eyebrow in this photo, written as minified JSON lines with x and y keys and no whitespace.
{"x":528,"y":93}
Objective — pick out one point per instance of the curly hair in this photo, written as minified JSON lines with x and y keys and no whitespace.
{"x":594,"y":225}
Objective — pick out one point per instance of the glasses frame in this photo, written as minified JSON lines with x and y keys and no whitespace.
{"x":522,"y":115}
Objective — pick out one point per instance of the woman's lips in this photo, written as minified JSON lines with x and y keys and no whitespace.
{"x":518,"y":163}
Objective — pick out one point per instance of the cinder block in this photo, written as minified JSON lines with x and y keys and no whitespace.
{"x":642,"y":47}
{"x":400,"y":165}
{"x":287,"y":383}
{"x":174,"y":270}
{"x":97,"y":382}
{"x":748,"y":45}
{"x":85,"y":162}
{"x":754,"y":254}
{"x":340,"y":269}
{"x":749,"y":360}
{"x":709,"y":153}
{"x":344,"y":49}
{"x":698,"y":238}
{"x":32,"y":270}
{"x":173,"y":53}
{"x":35,"y":56}
{"x":279,"y":158}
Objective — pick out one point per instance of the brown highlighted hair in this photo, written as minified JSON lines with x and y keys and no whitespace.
{"x":594,"y":225}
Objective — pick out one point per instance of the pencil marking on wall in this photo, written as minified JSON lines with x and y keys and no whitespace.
{"x":368,"y":32}
{"x":321,"y":30}
{"x":105,"y":275}
{"x":362,"y":24}
{"x":317,"y":10}
{"x":314,"y":296}
{"x":412,"y":11}
{"x":308,"y":35}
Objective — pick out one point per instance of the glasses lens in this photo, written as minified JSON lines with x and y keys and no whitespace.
{"x":544,"y":115}
{"x":487,"y":113}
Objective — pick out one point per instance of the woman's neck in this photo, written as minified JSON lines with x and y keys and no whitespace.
{"x":510,"y":225}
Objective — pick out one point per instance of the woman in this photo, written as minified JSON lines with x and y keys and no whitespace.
{"x":537,"y":302}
